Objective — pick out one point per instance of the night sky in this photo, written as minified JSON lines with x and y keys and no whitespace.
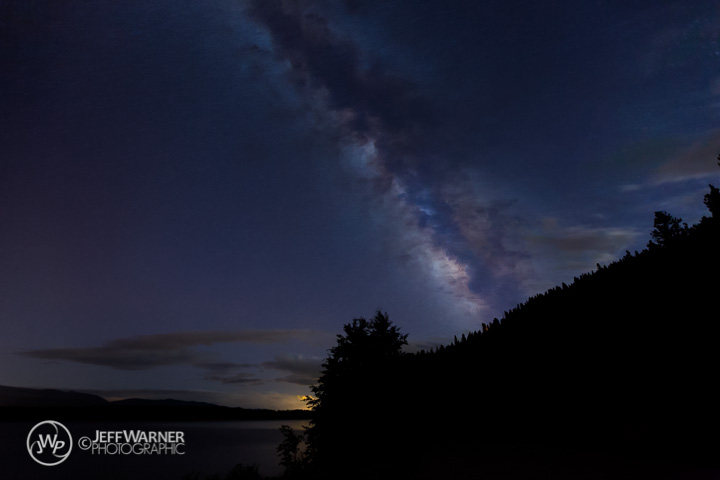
{"x":195,"y":196}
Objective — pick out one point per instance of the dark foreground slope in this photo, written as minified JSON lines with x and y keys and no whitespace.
{"x":612,"y":376}
{"x":624,"y":361}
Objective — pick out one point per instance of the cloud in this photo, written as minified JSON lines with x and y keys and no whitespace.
{"x":149,"y":351}
{"x":578,"y":239}
{"x":227,"y":372}
{"x":193,"y":338}
{"x":237,"y":378}
{"x":302,"y":370}
{"x":576,"y":249}
{"x":698,"y":160}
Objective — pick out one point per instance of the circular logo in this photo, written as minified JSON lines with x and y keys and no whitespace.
{"x":49,"y":443}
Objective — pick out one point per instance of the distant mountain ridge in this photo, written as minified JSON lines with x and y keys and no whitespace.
{"x":46,"y":397}
{"x":18,"y":403}
{"x":49,"y":397}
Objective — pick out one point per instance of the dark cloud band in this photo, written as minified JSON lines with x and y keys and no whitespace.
{"x":149,"y":351}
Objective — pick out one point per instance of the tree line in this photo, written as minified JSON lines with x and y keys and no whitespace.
{"x":623,"y":359}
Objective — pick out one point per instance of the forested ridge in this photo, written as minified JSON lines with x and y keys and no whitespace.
{"x":623,"y":361}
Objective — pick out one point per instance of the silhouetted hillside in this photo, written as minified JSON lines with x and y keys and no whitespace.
{"x":624,"y":359}
{"x":621,"y":362}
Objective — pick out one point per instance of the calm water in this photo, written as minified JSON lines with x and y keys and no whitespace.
{"x":210,"y":447}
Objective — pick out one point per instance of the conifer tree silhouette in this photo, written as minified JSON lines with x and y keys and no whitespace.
{"x":348,"y":407}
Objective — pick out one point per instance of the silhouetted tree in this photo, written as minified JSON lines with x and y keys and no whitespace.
{"x":712,"y":201}
{"x":667,"y":228}
{"x":366,"y":345}
{"x":292,"y":458}
{"x":355,"y":375}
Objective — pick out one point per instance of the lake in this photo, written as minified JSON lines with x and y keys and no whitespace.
{"x":209,"y":448}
